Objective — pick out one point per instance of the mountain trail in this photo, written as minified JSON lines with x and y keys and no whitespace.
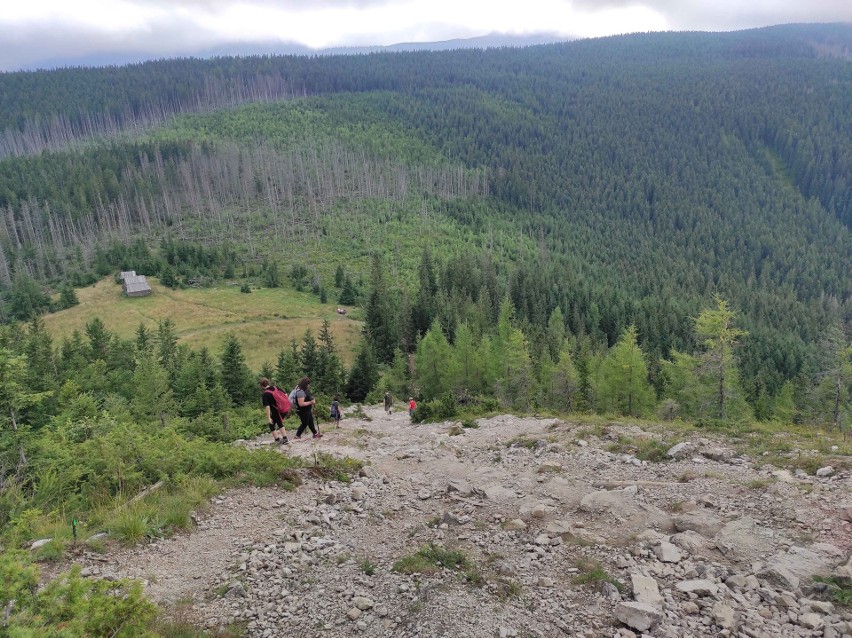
{"x":522,"y":526}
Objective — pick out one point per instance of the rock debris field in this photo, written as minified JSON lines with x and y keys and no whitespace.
{"x":521,"y":527}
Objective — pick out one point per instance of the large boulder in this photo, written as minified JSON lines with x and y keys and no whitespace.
{"x":667,"y":552}
{"x":800,"y":564}
{"x":646,"y":590}
{"x":563,"y":490}
{"x":499,"y":494}
{"x":622,"y":506}
{"x":699,"y":587}
{"x":700,"y":521}
{"x":638,"y":616}
{"x":691,"y":542}
{"x":744,"y":540}
{"x":609,"y":501}
{"x":680,"y":450}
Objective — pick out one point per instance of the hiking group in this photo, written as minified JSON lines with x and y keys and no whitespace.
{"x":279,"y":405}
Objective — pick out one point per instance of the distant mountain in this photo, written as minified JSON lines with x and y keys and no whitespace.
{"x":489,"y":41}
{"x":245,"y":49}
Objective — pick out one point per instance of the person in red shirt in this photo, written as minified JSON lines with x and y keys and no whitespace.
{"x":412,"y":405}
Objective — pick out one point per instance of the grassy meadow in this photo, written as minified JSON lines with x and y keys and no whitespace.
{"x":264,"y":321}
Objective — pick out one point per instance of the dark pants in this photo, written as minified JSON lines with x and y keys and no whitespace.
{"x":277,"y":423}
{"x":307,"y":419}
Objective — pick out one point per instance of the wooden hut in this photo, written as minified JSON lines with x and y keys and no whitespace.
{"x":135,"y":285}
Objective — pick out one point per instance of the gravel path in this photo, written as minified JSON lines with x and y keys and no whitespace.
{"x":534,"y":507}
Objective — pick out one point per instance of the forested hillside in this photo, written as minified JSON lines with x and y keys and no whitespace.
{"x":621,"y":181}
{"x":650,"y":226}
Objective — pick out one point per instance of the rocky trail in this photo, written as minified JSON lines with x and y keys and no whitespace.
{"x":521,"y":527}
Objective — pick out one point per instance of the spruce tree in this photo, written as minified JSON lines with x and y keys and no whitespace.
{"x":99,"y":340}
{"x":423,"y":309}
{"x":143,"y":342}
{"x":195,"y":395}
{"x":15,"y":397}
{"x":27,"y":298}
{"x":364,"y":374}
{"x":168,"y":277}
{"x":38,"y":348}
{"x":289,"y":370}
{"x":152,"y":394}
{"x":348,"y":294}
{"x":266,"y":370}
{"x":212,"y":376}
{"x":309,"y":356}
{"x":166,"y":343}
{"x":555,"y":333}
{"x":237,"y":379}
{"x":73,"y":352}
{"x":271,"y":274}
{"x":68,"y":297}
{"x":380,"y":326}
{"x":338,"y":276}
{"x":332,"y":375}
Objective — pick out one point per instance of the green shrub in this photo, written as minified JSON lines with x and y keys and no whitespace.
{"x":69,"y":605}
{"x":440,"y":409}
{"x":644,"y":449}
{"x":334,"y":468}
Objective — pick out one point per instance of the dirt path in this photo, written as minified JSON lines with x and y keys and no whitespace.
{"x":518,"y":499}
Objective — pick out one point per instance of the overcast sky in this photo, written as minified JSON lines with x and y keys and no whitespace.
{"x":48,"y":32}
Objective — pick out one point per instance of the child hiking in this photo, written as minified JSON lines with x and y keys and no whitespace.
{"x":388,"y":402}
{"x":274,"y":400}
{"x":334,"y":413}
{"x":412,"y":406}
{"x":305,"y":403}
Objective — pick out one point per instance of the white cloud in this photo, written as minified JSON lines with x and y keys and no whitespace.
{"x":48,"y":29}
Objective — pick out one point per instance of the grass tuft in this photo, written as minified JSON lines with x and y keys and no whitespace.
{"x":367,"y":566}
{"x":592,"y":572}
{"x":333,"y":468}
{"x":838,"y":589}
{"x":430,"y":559}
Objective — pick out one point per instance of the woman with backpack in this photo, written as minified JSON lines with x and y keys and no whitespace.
{"x":305,"y":403}
{"x":274,"y":400}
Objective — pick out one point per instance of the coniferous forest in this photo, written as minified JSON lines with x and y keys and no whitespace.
{"x":650,"y":225}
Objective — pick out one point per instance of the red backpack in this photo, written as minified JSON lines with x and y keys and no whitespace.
{"x":282,"y":401}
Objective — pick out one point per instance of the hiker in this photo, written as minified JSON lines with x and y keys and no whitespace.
{"x":388,"y":402}
{"x":305,"y":403}
{"x":271,"y":403}
{"x":335,"y":411}
{"x":412,"y":406}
